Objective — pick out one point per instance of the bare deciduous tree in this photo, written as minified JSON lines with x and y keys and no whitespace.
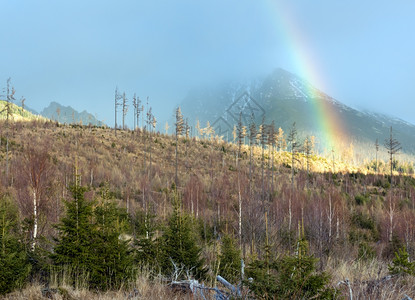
{"x":292,"y":139}
{"x":240,"y":132}
{"x":252,"y":140}
{"x":377,"y":150}
{"x":36,"y":170}
{"x":137,"y":110}
{"x":124,"y":109}
{"x":393,"y":147}
{"x":22,"y":101}
{"x":10,"y":91}
{"x":179,"y":131}
{"x":271,"y":145}
{"x":166,"y":128}
{"x":308,"y":151}
{"x":263,"y":137}
{"x":117,"y":103}
{"x":151,"y":125}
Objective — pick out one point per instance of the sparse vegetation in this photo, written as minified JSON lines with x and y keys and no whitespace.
{"x":141,"y":229}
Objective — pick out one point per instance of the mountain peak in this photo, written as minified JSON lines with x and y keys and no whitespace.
{"x":287,"y":98}
{"x":67,"y":114}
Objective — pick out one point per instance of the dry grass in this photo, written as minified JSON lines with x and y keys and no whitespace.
{"x":143,"y":288}
{"x":369,"y":280}
{"x":102,"y":157}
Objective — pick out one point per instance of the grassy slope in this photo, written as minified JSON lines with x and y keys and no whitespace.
{"x":17,"y":113}
{"x":207,"y":173}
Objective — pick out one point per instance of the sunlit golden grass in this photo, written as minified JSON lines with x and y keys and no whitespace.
{"x":18,"y":114}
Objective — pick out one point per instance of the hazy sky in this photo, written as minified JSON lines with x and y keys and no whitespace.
{"x":76,"y":52}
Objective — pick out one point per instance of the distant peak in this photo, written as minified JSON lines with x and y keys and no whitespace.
{"x":57,"y":104}
{"x":67,"y":114}
{"x":285,"y":73}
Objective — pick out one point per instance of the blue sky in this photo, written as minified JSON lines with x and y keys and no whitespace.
{"x":77,"y":52}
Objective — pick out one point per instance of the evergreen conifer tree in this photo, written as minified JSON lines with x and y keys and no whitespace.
{"x":179,"y":245}
{"x":89,"y":242}
{"x":297,"y":277}
{"x":401,"y":264}
{"x":230,"y":260}
{"x":291,"y":277}
{"x":114,"y":260}
{"x":147,"y":246}
{"x":76,"y":234}
{"x":14,"y":263}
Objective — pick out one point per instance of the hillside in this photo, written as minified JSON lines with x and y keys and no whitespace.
{"x":286,"y":98}
{"x":17,"y":113}
{"x":55,"y":112}
{"x":345,"y":212}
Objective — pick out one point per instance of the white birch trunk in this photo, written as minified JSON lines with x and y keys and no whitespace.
{"x":197,"y":203}
{"x":191,"y":202}
{"x":391,"y":215}
{"x":35,"y":220}
{"x":290,"y":217}
{"x":337,"y":228}
{"x":330,"y":216}
{"x":240,"y":219}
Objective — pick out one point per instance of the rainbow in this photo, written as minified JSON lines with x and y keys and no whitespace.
{"x":329,"y":123}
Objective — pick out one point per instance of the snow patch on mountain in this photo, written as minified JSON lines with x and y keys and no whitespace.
{"x":298,"y":89}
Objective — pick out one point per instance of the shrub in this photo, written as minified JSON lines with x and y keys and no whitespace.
{"x":363,"y":221}
{"x":291,"y":277}
{"x":401,"y":263}
{"x":361,"y":199}
{"x":366,"y":252}
{"x":392,"y":247}
{"x":364,"y":228}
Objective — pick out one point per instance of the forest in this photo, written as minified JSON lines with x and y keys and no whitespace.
{"x":91,"y":212}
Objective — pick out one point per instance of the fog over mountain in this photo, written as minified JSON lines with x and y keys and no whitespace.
{"x":359,"y":53}
{"x":286,"y":98}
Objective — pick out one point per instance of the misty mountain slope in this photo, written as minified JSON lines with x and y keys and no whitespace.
{"x":66,"y":114}
{"x":286,"y":98}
